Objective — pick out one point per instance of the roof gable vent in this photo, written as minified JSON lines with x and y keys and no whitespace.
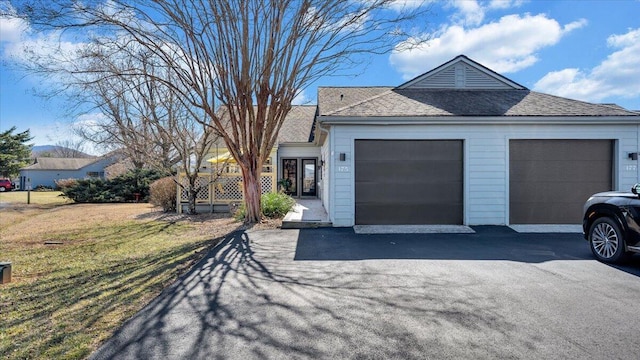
{"x":461,"y":73}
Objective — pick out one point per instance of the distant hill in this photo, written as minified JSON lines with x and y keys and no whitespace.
{"x":42,"y":148}
{"x":56,"y":151}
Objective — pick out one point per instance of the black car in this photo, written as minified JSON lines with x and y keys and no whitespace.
{"x":611,"y":224}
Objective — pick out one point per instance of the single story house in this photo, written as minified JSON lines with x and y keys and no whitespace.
{"x":460,"y":144}
{"x":45,"y":170}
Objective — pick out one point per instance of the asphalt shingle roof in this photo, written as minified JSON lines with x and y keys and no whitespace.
{"x":393,"y":102}
{"x":46,"y":163}
{"x":296,"y":128}
{"x":298,"y":125}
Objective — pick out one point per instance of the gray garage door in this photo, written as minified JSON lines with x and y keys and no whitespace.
{"x":549,"y":180}
{"x":408,"y":181}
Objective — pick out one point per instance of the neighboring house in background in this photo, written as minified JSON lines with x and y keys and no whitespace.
{"x":460,"y":144}
{"x":45,"y":171}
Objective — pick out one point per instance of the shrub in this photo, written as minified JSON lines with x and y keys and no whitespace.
{"x":238,"y":211}
{"x":162,"y":192}
{"x":119,"y":189}
{"x":276,"y":205}
{"x":91,"y":191}
{"x":273,"y":205}
{"x":133,"y":182}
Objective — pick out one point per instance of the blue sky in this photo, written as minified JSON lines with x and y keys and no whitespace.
{"x":586,"y":50}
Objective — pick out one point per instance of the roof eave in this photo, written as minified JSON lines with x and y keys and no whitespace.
{"x":298,"y":144}
{"x":479,"y":120}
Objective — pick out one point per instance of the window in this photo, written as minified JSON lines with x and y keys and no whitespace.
{"x":95,"y":174}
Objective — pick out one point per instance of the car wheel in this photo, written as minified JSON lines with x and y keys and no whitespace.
{"x":2,"y":188}
{"x":606,"y":240}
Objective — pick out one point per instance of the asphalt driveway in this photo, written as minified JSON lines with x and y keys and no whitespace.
{"x":329,"y":293}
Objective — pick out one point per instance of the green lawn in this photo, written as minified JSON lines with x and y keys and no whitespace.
{"x":66,"y":299}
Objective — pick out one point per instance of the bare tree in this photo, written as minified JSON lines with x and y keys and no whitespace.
{"x":189,"y":135}
{"x":146,"y":118}
{"x":248,"y":57}
{"x":130,"y":107}
{"x":141,"y":116}
{"x":69,"y":149}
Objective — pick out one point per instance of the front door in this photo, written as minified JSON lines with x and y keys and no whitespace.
{"x":290,"y":176}
{"x":299,"y":183}
{"x":308,"y":177}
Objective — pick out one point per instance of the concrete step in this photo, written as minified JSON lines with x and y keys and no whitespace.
{"x":305,"y":224}
{"x":306,"y":214}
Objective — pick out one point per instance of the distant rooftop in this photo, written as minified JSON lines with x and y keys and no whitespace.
{"x":47,"y":163}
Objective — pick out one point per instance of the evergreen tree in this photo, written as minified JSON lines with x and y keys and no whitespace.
{"x":14,"y":152}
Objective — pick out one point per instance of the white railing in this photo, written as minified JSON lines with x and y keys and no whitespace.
{"x":226,"y":189}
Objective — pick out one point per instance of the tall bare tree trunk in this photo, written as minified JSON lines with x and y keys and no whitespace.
{"x":192,"y":193}
{"x":252,"y":189}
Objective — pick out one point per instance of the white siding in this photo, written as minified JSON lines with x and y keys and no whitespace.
{"x":48,"y":178}
{"x":486,"y":169}
{"x":292,"y":151}
{"x":324,"y":182}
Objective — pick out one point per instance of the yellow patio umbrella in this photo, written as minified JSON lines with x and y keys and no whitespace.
{"x":222,"y":158}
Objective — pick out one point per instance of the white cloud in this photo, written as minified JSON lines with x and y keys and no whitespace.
{"x":20,"y":44}
{"x":11,"y":29}
{"x":507,"y":45}
{"x":91,"y":120}
{"x":472,"y":12}
{"x":301,"y":99}
{"x":505,"y":4}
{"x":616,"y":76}
{"x":41,"y":46}
{"x":401,"y":5}
{"x":469,"y":12}
{"x":575,"y":25}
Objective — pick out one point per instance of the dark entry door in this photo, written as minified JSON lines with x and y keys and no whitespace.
{"x":308,"y":177}
{"x":290,"y":176}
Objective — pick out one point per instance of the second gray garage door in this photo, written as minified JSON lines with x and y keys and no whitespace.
{"x":549,"y":180}
{"x":408,"y":181}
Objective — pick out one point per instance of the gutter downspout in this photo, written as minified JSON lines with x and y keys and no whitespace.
{"x":319,"y":127}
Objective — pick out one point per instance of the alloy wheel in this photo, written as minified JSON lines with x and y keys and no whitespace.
{"x":605,"y":240}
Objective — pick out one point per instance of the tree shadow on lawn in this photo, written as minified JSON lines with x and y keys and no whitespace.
{"x":248,"y":299}
{"x":69,"y":306}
